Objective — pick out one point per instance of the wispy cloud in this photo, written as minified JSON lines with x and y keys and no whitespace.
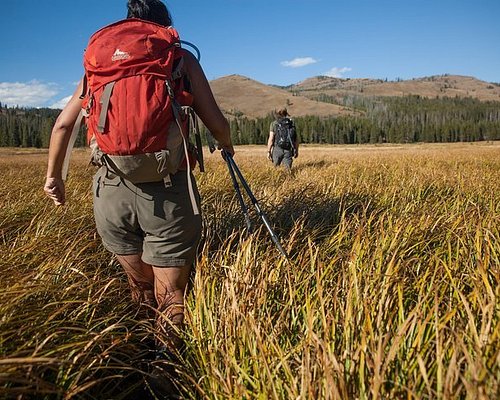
{"x":299,"y":62}
{"x":28,"y":94}
{"x":61,"y":103}
{"x":336,"y":72}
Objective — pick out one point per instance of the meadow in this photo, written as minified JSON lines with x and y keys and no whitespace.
{"x":391,"y":290}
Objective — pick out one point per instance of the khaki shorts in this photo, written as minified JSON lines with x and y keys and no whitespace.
{"x":147,"y":218}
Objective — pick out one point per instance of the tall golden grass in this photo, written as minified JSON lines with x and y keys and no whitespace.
{"x":392,"y":289}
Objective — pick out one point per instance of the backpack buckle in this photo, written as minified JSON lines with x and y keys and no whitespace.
{"x":169,"y":89}
{"x":86,"y":110}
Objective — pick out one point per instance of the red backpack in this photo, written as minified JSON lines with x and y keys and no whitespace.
{"x":136,"y":102}
{"x":135,"y":99}
{"x":129,"y":71}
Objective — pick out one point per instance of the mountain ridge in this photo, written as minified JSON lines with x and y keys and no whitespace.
{"x":240,"y":96}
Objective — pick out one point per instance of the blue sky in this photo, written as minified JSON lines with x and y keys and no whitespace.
{"x":272,"y":41}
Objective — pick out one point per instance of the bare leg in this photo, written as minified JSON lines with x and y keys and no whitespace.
{"x":161,"y":288}
{"x":140,"y":277}
{"x":170,"y":288}
{"x":170,"y":285}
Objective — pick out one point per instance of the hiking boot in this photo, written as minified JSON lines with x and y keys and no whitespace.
{"x":161,"y":381}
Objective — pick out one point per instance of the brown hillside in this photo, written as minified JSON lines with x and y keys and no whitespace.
{"x":434,"y":86}
{"x":241,"y":96}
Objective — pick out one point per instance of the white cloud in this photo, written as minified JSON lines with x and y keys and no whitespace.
{"x":61,"y":103}
{"x":299,"y":62}
{"x":336,"y":72}
{"x":27,"y":94}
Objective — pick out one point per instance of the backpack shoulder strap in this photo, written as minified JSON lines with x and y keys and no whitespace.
{"x":178,"y":66}
{"x":71,"y":144}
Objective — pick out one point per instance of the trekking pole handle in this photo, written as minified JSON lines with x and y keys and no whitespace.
{"x":210,"y":142}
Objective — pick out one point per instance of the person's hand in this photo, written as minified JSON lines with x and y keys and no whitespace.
{"x":270,"y":155}
{"x":227,"y":148}
{"x":54,"y":189}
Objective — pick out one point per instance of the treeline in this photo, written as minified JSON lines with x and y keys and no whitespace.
{"x":24,"y":127}
{"x":389,"y":120}
{"x":384,"y":120}
{"x":28,"y":127}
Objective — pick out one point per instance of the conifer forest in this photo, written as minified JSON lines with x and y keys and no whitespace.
{"x":409,"y":119}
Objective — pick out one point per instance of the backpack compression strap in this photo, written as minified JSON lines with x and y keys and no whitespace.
{"x":192,"y":197}
{"x":108,"y":90}
{"x":176,"y":108}
{"x":106,"y":95}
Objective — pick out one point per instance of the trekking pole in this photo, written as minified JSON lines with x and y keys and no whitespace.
{"x":234,"y":168}
{"x":243,"y":206}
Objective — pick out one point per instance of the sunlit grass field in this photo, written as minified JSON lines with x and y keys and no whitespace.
{"x":391,"y":292}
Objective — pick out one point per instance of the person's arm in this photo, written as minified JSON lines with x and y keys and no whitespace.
{"x":59,"y":139}
{"x":270,"y":144}
{"x":296,"y":147}
{"x":295,"y":143}
{"x":205,"y":105}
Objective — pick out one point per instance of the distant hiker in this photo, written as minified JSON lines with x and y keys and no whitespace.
{"x":146,"y":203}
{"x":282,"y":145}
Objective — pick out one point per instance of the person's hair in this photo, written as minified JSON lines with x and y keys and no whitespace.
{"x":149,"y":10}
{"x":282,"y":112}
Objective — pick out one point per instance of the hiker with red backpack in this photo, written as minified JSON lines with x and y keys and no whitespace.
{"x":283,"y":144}
{"x":136,"y":97}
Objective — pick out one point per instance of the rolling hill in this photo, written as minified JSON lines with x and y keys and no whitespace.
{"x":241,"y":96}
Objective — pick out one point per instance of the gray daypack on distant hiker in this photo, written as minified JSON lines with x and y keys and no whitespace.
{"x":285,"y":134}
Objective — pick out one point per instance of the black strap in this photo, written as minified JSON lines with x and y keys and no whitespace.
{"x":84,"y":88}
